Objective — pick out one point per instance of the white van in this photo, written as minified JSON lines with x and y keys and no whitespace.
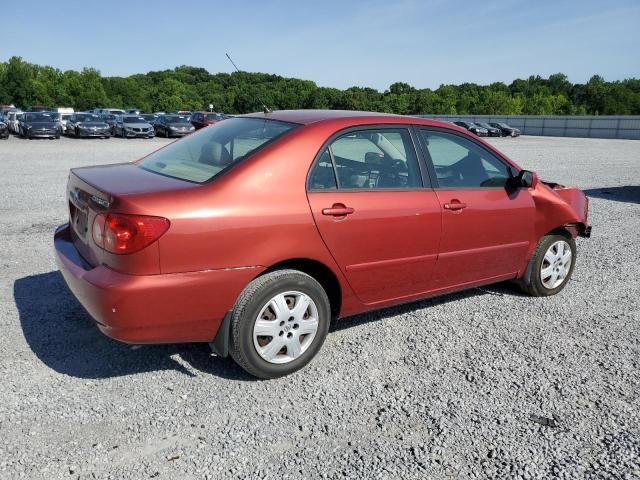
{"x":64,"y":113}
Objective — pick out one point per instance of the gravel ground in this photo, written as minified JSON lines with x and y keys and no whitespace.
{"x":485,"y":383}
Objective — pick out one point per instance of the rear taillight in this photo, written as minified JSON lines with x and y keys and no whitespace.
{"x":122,"y":234}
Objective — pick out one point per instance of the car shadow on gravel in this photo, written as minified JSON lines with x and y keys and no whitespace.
{"x":628,"y":194}
{"x":497,"y":289}
{"x":65,"y":338}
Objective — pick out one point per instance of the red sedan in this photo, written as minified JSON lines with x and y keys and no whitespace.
{"x":204,"y":119}
{"x":254,"y":233}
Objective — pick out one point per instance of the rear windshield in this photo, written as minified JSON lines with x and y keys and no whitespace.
{"x":201,"y":156}
{"x":176,"y":118}
{"x":134,"y":120}
{"x":87,"y":117}
{"x":38,"y":117}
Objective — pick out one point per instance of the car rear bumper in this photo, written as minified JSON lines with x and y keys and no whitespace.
{"x":166,"y":308}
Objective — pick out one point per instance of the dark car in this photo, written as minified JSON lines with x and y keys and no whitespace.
{"x":39,"y":125}
{"x":507,"y":130}
{"x":87,"y":125}
{"x":133,"y":126}
{"x":109,"y":119}
{"x":493,"y":131}
{"x":253,"y":234}
{"x":473,"y":128}
{"x":204,"y":119}
{"x":173,"y":126}
{"x":4,"y":129}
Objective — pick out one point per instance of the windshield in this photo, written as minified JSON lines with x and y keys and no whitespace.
{"x":176,"y":118}
{"x":201,"y":156}
{"x":504,"y":125}
{"x":38,"y":117}
{"x":87,"y":117}
{"x":134,"y":120}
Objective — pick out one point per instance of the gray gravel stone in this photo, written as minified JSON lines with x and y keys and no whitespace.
{"x":445,"y":387}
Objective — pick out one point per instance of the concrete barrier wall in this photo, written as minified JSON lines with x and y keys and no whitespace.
{"x":561,"y":126}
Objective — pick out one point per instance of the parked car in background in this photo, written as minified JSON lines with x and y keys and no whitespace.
{"x":493,"y":131}
{"x":4,"y":128}
{"x":473,"y":128}
{"x":132,"y":126}
{"x":268,"y":226}
{"x":39,"y":125}
{"x":85,"y":124}
{"x":134,"y":111}
{"x":507,"y":130}
{"x":204,"y":119}
{"x":173,"y":126}
{"x":109,"y":119}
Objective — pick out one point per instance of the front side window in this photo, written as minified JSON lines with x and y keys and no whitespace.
{"x":203,"y":155}
{"x":370,"y":160}
{"x":461,"y":163}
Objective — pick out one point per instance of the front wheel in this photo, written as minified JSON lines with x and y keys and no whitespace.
{"x":551,"y":266}
{"x":279,"y":323}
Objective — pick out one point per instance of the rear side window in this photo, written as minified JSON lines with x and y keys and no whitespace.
{"x":461,"y":163}
{"x":201,"y":156}
{"x":322,"y":174}
{"x":374,"y":159}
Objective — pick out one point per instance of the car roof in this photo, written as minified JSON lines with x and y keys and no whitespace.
{"x":306,"y":117}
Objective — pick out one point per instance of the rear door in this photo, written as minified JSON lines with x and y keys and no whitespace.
{"x":487,"y":224}
{"x":376,"y":212}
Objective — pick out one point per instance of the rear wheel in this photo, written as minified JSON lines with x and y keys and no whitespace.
{"x":279,"y":323}
{"x":551,"y":266}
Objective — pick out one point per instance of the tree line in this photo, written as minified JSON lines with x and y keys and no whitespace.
{"x":192,"y":88}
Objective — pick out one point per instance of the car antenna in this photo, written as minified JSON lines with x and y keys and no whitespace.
{"x":265,"y":109}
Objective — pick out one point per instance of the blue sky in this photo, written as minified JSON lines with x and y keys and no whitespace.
{"x":334,"y":43}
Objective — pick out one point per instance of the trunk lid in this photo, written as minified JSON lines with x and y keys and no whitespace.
{"x":95,"y":190}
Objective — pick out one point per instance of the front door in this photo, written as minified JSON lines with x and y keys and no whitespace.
{"x":376,"y":217}
{"x":487,"y":223}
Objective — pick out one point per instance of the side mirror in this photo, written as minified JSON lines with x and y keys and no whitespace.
{"x":527,"y":179}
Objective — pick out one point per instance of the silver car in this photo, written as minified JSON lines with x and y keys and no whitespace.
{"x":132,"y":126}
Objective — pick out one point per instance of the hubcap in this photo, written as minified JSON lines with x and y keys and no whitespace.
{"x":285,"y":327}
{"x":555,"y":265}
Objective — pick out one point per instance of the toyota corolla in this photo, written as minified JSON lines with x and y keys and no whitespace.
{"x":253,"y":234}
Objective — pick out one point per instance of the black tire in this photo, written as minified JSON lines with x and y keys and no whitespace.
{"x":249,"y":305}
{"x":531,"y":283}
